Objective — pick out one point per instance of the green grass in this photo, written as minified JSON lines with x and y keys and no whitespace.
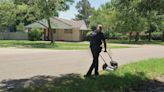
{"x":46,"y":44}
{"x":125,"y":79}
{"x":139,"y":42}
{"x":150,"y":67}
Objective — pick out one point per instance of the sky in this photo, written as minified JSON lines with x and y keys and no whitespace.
{"x":70,"y":14}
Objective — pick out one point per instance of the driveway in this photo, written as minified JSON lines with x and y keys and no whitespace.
{"x":25,"y":63}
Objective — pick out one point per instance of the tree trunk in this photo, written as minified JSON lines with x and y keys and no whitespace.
{"x":44,"y":35}
{"x":130,"y":37}
{"x":163,"y":36}
{"x":137,"y":37}
{"x":50,"y":31}
{"x":149,"y":37}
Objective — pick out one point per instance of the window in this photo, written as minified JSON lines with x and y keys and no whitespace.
{"x":54,"y":31}
{"x":68,"y":31}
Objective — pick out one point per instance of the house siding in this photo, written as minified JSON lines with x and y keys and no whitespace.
{"x":76,"y":34}
{"x":60,"y":24}
{"x":60,"y":35}
{"x":55,"y":35}
{"x":68,"y":36}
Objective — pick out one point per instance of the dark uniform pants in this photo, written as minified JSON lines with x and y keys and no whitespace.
{"x":95,"y":52}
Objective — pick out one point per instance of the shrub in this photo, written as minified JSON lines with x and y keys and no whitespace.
{"x":143,"y":37}
{"x":118,"y":36}
{"x":35,"y":34}
{"x":20,"y":27}
{"x":156,"y":37}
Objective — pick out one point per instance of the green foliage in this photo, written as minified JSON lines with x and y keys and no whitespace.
{"x":14,"y":14}
{"x":48,"y":8}
{"x":20,"y":27}
{"x":88,"y":35}
{"x":148,"y":6}
{"x":23,"y":12}
{"x":153,"y":12}
{"x":7,"y":13}
{"x":156,"y":36}
{"x":118,"y":36}
{"x":106,"y":16}
{"x":129,"y":20}
{"x":130,"y":16}
{"x":85,"y":11}
{"x":160,"y":23}
{"x":35,"y":34}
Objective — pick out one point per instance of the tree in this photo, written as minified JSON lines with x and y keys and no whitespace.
{"x":7,"y":13}
{"x":129,"y":20}
{"x":106,"y":16}
{"x":162,"y":30}
{"x":19,"y":2}
{"x":21,"y":16}
{"x":160,"y":26}
{"x":130,"y":17}
{"x":14,"y":15}
{"x":22,"y":12}
{"x":151,"y":10}
{"x":44,"y":9}
{"x":85,"y":11}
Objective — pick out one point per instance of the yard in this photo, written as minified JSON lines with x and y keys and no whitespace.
{"x":142,"y":42}
{"x":46,"y":45}
{"x":48,"y":66}
{"x":35,"y":70}
{"x":143,"y":76}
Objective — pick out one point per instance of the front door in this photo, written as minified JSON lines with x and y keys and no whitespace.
{"x":60,"y":34}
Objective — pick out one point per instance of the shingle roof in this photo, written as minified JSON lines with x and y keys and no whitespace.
{"x":59,"y":23}
{"x":75,"y":24}
{"x":55,"y":24}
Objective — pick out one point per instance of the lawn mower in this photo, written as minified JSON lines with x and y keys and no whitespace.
{"x":113,"y":64}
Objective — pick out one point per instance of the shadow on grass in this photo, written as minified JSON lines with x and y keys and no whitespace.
{"x":76,"y":83}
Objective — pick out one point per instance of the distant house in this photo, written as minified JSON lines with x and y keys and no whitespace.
{"x":63,"y":29}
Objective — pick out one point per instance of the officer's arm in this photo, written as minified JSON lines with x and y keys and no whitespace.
{"x":104,"y":41}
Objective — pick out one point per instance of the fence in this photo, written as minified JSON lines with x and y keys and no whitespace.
{"x":13,"y":36}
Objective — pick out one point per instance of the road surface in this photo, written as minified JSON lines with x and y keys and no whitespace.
{"x":25,"y":63}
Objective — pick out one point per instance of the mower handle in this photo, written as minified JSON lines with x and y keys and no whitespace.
{"x":109,"y":56}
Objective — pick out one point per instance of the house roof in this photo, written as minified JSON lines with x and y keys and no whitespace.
{"x":59,"y":23}
{"x":75,"y":23}
{"x":55,"y":24}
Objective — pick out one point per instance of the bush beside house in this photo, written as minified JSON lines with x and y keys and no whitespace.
{"x":35,"y":34}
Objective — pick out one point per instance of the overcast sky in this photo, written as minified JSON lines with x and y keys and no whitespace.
{"x":70,"y":14}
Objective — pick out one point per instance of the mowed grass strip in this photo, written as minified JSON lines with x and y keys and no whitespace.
{"x":46,"y":44}
{"x":141,"y":42}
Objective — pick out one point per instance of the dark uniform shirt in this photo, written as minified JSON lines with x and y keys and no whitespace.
{"x":96,"y":38}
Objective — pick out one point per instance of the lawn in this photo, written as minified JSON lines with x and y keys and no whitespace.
{"x":128,"y":78}
{"x":139,"y":42}
{"x":46,"y":44}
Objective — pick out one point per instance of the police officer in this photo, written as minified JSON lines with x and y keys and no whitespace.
{"x":97,"y":37}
